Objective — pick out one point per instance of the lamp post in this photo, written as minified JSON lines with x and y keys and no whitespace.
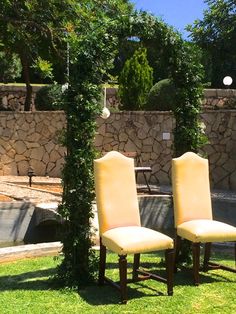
{"x":30,"y":175}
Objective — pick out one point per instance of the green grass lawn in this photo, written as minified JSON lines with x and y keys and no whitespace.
{"x":26,"y":287}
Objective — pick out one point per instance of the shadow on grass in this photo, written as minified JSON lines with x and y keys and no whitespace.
{"x":104,"y":295}
{"x":42,"y":280}
{"x":185,"y":278}
{"x":35,"y":280}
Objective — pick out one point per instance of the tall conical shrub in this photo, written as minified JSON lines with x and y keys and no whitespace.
{"x":135,"y":81}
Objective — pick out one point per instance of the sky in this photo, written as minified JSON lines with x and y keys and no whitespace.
{"x":176,"y":13}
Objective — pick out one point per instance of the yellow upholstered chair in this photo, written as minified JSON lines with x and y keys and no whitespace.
{"x":119,"y":222}
{"x":193,"y":211}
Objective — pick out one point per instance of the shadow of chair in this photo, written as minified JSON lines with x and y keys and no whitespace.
{"x":119,"y":223}
{"x":193,"y":211}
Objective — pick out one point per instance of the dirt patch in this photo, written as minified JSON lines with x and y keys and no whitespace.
{"x":5,"y":198}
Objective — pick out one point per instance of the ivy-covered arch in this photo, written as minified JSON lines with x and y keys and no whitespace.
{"x":179,"y":60}
{"x":93,"y":46}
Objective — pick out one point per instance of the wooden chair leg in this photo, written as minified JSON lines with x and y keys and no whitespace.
{"x":123,"y":278}
{"x":102,"y":264}
{"x":177,"y":250}
{"x":169,"y":256}
{"x":207,"y":255}
{"x":136,"y":266}
{"x":196,"y":262}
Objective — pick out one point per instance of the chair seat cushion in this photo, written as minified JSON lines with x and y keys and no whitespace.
{"x":135,"y":239}
{"x":204,"y":230}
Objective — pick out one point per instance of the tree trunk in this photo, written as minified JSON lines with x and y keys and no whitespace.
{"x":26,"y":74}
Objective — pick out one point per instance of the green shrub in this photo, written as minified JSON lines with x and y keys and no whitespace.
{"x":135,"y":81}
{"x":162,"y":96}
{"x":49,"y":98}
{"x":10,"y":66}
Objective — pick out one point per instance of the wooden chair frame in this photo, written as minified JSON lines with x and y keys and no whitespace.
{"x":122,"y":284}
{"x":207,"y":264}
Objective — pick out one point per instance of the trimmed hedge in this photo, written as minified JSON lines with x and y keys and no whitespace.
{"x":49,"y":98}
{"x":162,"y":96}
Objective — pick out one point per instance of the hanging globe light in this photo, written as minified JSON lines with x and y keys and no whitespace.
{"x":105,"y":111}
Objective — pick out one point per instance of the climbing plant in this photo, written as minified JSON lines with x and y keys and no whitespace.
{"x":92,"y":45}
{"x":187,"y":74}
{"x":181,"y":61}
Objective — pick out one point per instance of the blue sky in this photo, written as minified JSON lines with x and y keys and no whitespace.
{"x":177,"y":13}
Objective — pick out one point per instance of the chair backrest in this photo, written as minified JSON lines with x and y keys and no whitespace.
{"x":116,"y":194}
{"x":191,"y":188}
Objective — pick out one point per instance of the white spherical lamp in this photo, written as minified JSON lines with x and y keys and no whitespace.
{"x":105,"y":113}
{"x":227,"y":80}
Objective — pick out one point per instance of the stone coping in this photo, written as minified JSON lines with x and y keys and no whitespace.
{"x":13,"y":253}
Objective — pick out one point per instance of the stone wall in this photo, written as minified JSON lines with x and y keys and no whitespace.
{"x":221,"y":150}
{"x":147,"y":133}
{"x":150,"y":134}
{"x":219,"y":98}
{"x":31,"y":139}
{"x":212,"y":98}
{"x":12,"y":97}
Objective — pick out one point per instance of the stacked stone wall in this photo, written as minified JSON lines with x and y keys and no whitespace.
{"x":32,"y":139}
{"x":151,"y":135}
{"x":12,"y":97}
{"x":212,"y":98}
{"x":219,"y":99}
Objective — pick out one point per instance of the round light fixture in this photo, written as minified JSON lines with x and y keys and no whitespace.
{"x":105,"y":113}
{"x":227,"y":80}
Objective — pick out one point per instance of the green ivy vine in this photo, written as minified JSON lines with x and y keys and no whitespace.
{"x":93,"y":43}
{"x":91,"y":54}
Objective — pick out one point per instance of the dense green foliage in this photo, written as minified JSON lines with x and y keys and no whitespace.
{"x":49,"y":98}
{"x":32,"y":29}
{"x":179,"y":61}
{"x":135,"y":81}
{"x":162,"y":96}
{"x":145,"y":30}
{"x":92,"y":49}
{"x":216,"y":34}
{"x":187,"y":75}
{"x":10,"y":67}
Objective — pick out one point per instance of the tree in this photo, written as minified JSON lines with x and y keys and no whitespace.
{"x":216,"y":35}
{"x":135,"y":81}
{"x":32,"y":29}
